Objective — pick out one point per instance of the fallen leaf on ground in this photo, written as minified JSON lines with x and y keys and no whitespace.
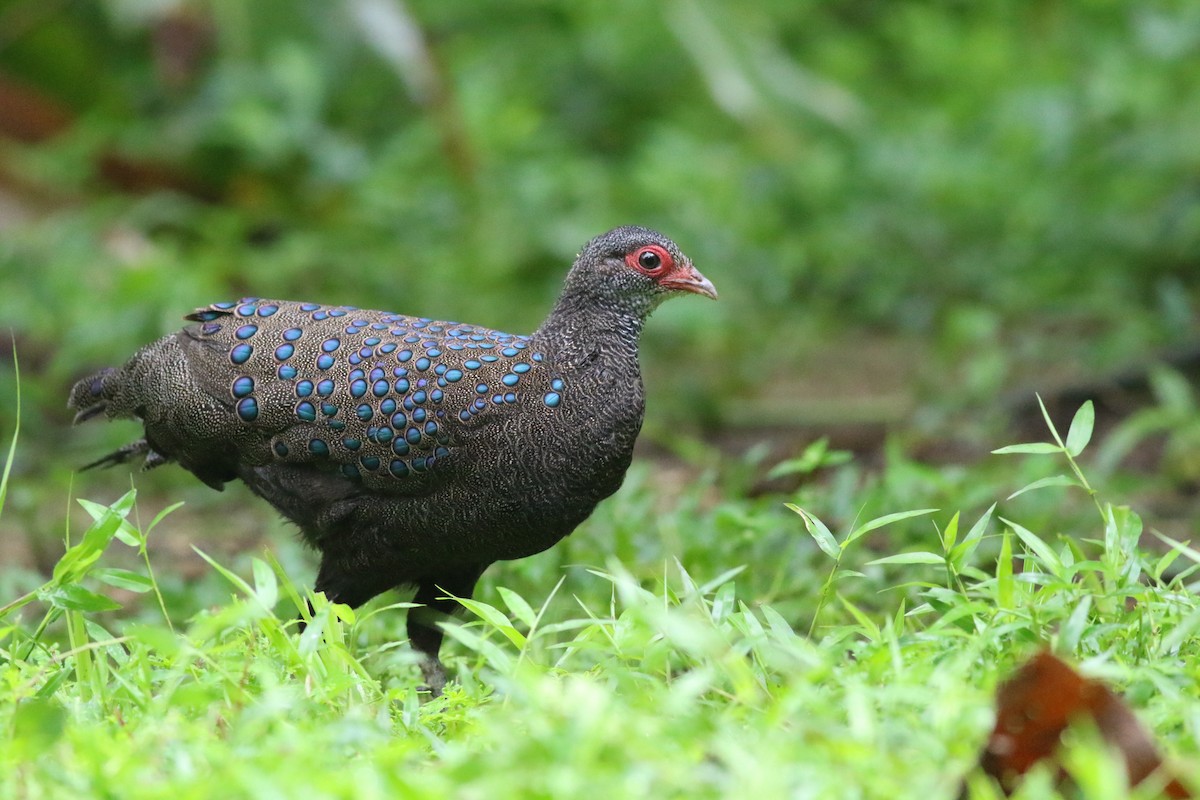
{"x":1040,"y":701}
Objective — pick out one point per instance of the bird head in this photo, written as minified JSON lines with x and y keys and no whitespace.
{"x":638,"y":265}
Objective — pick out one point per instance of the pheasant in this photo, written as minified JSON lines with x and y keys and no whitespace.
{"x":408,"y":451}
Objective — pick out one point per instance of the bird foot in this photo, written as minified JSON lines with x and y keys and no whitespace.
{"x":435,"y":676}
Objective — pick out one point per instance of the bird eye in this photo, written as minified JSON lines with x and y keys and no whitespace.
{"x":651,"y":259}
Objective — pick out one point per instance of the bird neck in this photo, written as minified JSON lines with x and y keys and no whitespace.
{"x":581,"y":315}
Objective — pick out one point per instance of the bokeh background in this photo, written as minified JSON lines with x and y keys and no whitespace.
{"x":917,"y":213}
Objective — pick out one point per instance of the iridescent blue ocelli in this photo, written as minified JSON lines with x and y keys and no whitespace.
{"x":241,"y":353}
{"x":243,"y":386}
{"x":247,"y":409}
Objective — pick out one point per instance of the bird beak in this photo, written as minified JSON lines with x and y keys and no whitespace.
{"x":688,"y":279}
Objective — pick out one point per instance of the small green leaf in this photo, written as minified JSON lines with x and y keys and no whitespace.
{"x":54,"y":683}
{"x":723,"y":602}
{"x":12,"y":445}
{"x":124,"y":579}
{"x":819,"y":532}
{"x":266,"y":588}
{"x":777,"y":623}
{"x":966,"y":548}
{"x":950,"y":534}
{"x":73,"y":597}
{"x":1183,"y":631}
{"x":494,"y":617}
{"x":1160,"y":566}
{"x":488,"y":613}
{"x":230,"y":576}
{"x":910,"y":558}
{"x":1172,"y":390}
{"x":163,"y":641}
{"x":1053,"y":480}
{"x":722,"y":579}
{"x":814,"y":457}
{"x":886,"y":519}
{"x":1031,"y":447}
{"x":1080,"y":432}
{"x":1050,"y":423}
{"x":1072,"y":630}
{"x":162,"y":515}
{"x":1004,"y":573}
{"x":76,"y":562}
{"x":1044,"y":552}
{"x":870,"y":629}
{"x":490,"y":650}
{"x":517,"y":605}
{"x":310,"y":639}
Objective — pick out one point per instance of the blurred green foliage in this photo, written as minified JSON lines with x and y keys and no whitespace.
{"x":1007,"y":183}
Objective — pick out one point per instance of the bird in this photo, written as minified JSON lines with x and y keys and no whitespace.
{"x":408,"y":451}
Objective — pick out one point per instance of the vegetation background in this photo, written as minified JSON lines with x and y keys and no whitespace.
{"x":917,"y":214}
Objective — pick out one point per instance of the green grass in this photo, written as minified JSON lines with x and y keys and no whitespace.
{"x":865,"y":675}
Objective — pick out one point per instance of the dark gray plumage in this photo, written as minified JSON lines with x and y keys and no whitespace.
{"x":408,"y":451}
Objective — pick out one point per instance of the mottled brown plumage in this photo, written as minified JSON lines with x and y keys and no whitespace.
{"x":407,"y":450}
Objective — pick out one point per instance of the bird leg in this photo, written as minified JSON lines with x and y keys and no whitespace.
{"x":342,"y":582}
{"x":424,"y":634}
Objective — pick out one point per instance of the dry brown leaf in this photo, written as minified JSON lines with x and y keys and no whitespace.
{"x":1038,"y":703}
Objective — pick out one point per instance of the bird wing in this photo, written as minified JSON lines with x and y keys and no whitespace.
{"x":384,"y":399}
